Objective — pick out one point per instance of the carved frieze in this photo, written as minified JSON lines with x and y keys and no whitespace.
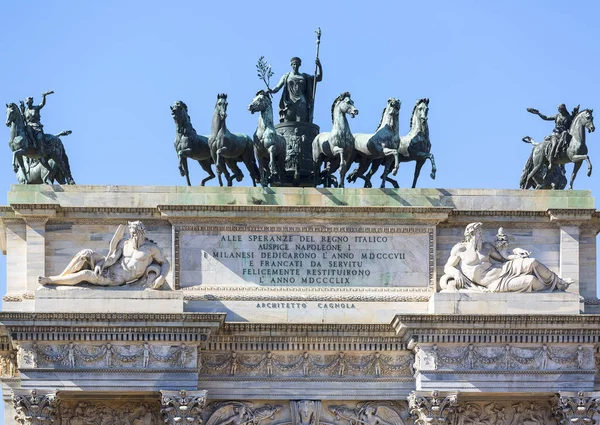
{"x":305,"y":364}
{"x":110,"y":355}
{"x":96,"y":412}
{"x":35,"y":409}
{"x":239,"y":413}
{"x":370,"y":413}
{"x":504,"y":357}
{"x":503,"y":413}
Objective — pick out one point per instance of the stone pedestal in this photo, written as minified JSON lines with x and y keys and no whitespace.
{"x":299,"y":137}
{"x":504,"y":303}
{"x":100,"y":300}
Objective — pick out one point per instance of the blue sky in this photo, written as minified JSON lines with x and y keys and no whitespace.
{"x":117,"y":66}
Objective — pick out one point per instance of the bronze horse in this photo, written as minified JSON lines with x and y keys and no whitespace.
{"x":336,"y":146}
{"x":189,"y":144}
{"x":228,"y":148}
{"x":576,"y":152}
{"x":21,"y":145}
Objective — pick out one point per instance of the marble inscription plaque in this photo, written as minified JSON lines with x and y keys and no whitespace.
{"x":306,"y":256}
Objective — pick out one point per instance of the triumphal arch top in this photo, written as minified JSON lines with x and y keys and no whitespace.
{"x":290,"y":305}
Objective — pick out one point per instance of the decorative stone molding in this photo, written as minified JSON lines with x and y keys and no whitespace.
{"x":111,"y":355}
{"x":507,"y":357}
{"x":305,"y":364}
{"x":181,"y":407}
{"x":433,"y":409}
{"x":578,"y":410}
{"x":34,"y":409}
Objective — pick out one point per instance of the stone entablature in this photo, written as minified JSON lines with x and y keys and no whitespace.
{"x":557,"y":227}
{"x":219,"y":349}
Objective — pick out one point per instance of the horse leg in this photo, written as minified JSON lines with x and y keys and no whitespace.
{"x":272,"y":165}
{"x":433,"y":167}
{"x":206,"y":165}
{"x":374,"y":167}
{"x":237,"y":174}
{"x":280,"y":165}
{"x":581,"y":158}
{"x":317,"y":163}
{"x":343,"y":164}
{"x":262,"y":168}
{"x":359,"y":171}
{"x":58,"y":161}
{"x":249,"y":160}
{"x":418,"y":166}
{"x":183,"y":168}
{"x":18,"y":162}
{"x":394,"y":153}
{"x":576,"y":167}
{"x":219,"y":167}
{"x":537,"y":164}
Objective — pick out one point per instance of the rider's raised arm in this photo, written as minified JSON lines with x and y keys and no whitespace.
{"x":43,"y":103}
{"x":546,"y":118}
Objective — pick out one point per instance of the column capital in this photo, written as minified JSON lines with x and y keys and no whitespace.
{"x":575,"y":410}
{"x":35,"y":409}
{"x":182,"y":406}
{"x":432,"y":408}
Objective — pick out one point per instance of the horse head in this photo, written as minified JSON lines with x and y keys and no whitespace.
{"x":589,"y":123}
{"x":391,"y":114}
{"x":178,"y":109}
{"x":420,"y":113}
{"x":345,"y":104}
{"x":584,"y":119}
{"x":221,"y":105}
{"x":261,"y":102}
{"x":12,"y":114}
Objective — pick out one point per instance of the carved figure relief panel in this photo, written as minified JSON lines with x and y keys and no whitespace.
{"x":113,"y":412}
{"x":504,"y":357}
{"x":108,"y":355}
{"x":307,"y":412}
{"x":306,"y":364}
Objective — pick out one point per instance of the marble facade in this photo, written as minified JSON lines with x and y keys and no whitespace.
{"x":297,"y":306}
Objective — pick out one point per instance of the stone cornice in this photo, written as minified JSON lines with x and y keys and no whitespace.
{"x":106,"y":319}
{"x":238,"y":328}
{"x":472,"y":328}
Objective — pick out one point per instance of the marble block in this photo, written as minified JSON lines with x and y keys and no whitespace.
{"x":504,"y":303}
{"x":87,"y":300}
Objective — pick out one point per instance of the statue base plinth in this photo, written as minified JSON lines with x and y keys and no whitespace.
{"x":298,"y":136}
{"x":74,"y":299}
{"x":504,"y":303}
